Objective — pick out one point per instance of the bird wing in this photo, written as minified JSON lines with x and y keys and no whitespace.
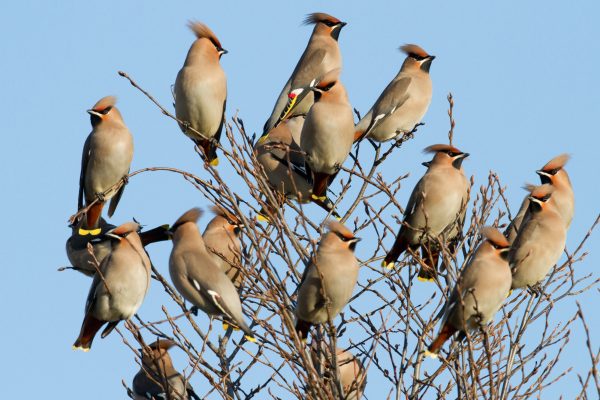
{"x":84,"y":162}
{"x":211,"y":294}
{"x":392,"y":98}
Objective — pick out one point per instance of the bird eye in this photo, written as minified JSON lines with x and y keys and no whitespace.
{"x":329,"y":23}
{"x":237,"y":230}
{"x":106,"y":110}
{"x":545,"y":198}
{"x":554,"y":171}
{"x":452,"y":153}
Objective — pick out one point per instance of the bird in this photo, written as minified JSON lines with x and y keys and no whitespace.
{"x":483,"y":285}
{"x":283,"y":161}
{"x":199,"y":279}
{"x":106,"y":160}
{"x":437,"y":206}
{"x":222,"y":239}
{"x":352,"y":372}
{"x":117,"y":293}
{"x":157,"y":375}
{"x":79,"y":255}
{"x":201,"y":92}
{"x":327,"y":133}
{"x":322,"y":54}
{"x":540,"y":241}
{"x":552,"y":173}
{"x":328,"y":282}
{"x":404,"y":101}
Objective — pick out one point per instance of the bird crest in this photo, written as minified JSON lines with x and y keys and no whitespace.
{"x":542,"y":191}
{"x":203,"y":31}
{"x":164,"y":344}
{"x":192,"y":215}
{"x":436,"y":148}
{"x":127,"y":227}
{"x":556,"y":163}
{"x":340,"y":229}
{"x":412,"y":50}
{"x":104,"y":103}
{"x":222,"y":212}
{"x":494,"y":236}
{"x":317,"y":17}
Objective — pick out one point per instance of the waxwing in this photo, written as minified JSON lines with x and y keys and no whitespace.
{"x":404,"y":101}
{"x":106,"y":159}
{"x":437,"y":206}
{"x":119,"y":291}
{"x":201,"y":91}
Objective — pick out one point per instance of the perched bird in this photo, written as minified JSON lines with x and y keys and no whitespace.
{"x":79,"y":255}
{"x":322,"y":54}
{"x":540,"y":241}
{"x":201,"y":91}
{"x":157,"y":376}
{"x":283,"y":162}
{"x":437,"y":206}
{"x":482,"y":287}
{"x":327,"y":284}
{"x":552,"y":173}
{"x":404,"y":101}
{"x":106,"y":159}
{"x":222,"y":239}
{"x":327,"y":133}
{"x":352,"y":372}
{"x":118,"y":293}
{"x":199,"y":279}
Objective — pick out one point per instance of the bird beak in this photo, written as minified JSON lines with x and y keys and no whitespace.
{"x":465,"y":155}
{"x":223,"y":51}
{"x":431,"y":58}
{"x":343,"y":24}
{"x":93,"y":112}
{"x":426,"y":164}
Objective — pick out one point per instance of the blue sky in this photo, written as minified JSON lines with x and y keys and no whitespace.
{"x":524,"y":76}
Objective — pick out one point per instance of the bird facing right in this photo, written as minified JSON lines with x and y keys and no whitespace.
{"x":328,"y":282}
{"x":482,"y":287}
{"x":327,"y":133}
{"x":322,"y":54}
{"x":540,"y":241}
{"x":437,"y":206}
{"x":403,"y":102}
{"x":201,"y":91}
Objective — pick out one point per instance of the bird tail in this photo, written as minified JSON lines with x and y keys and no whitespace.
{"x":302,"y":328}
{"x":93,"y":215}
{"x":210,"y":151}
{"x":320,"y":183}
{"x":358,"y":135}
{"x":428,"y":271}
{"x":399,"y":247}
{"x":158,"y":234}
{"x":446,"y":332}
{"x":89,"y":328}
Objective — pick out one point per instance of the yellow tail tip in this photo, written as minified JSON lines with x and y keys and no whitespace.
{"x":387,"y":265}
{"x":225,"y":326}
{"x":84,"y":349}
{"x":318,"y":198}
{"x":93,"y":232}
{"x":430,"y":354}
{"x":251,"y":339}
{"x":263,"y":218}
{"x":214,"y":162}
{"x":423,"y":279}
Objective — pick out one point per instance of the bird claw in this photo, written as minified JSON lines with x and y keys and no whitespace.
{"x":100,"y":197}
{"x":194,"y":310}
{"x":125,"y":179}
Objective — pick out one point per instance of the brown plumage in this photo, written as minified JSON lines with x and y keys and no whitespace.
{"x":106,"y":159}
{"x":322,"y":54}
{"x":331,"y":277}
{"x":203,"y":31}
{"x":157,"y":377}
{"x":120,"y":292}
{"x":437,"y":206}
{"x":414,"y":51}
{"x":482,"y":287}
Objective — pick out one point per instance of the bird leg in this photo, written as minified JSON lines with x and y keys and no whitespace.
{"x":535,"y":290}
